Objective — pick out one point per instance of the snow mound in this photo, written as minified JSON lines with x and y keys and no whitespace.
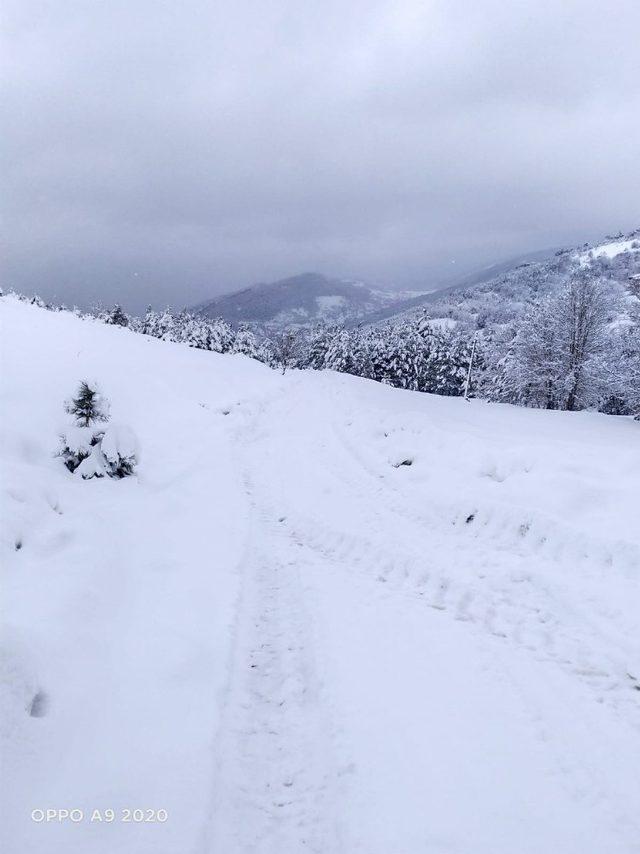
{"x":120,"y":441}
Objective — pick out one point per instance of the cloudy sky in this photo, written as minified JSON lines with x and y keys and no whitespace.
{"x":169,"y":150}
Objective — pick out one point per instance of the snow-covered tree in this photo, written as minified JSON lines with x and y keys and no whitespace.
{"x":115,"y":317}
{"x":89,"y":410}
{"x":560,"y":357}
{"x":348,"y":354}
{"x":88,"y":406}
{"x":165,"y":326}
{"x":119,"y":448}
{"x":284,"y":348}
{"x":222,"y":336}
{"x":90,"y":449}
{"x":585,"y":310}
{"x":245,"y":342}
{"x":149,"y":323}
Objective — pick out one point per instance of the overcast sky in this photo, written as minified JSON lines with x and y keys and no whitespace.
{"x":163,"y":151}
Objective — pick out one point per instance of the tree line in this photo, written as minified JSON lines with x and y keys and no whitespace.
{"x":577,"y":348}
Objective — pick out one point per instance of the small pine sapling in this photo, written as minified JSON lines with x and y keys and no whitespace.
{"x":88,"y":408}
{"x":91,"y":450}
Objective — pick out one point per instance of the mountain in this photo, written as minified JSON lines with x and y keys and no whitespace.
{"x":491,"y":295}
{"x":302,"y":301}
{"x":309,"y":298}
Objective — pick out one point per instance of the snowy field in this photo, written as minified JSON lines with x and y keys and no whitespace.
{"x":325,"y":616}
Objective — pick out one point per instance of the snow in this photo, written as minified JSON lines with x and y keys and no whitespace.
{"x":79,"y":439}
{"x":93,"y":466}
{"x":610,"y":250}
{"x":119,"y":440}
{"x":330,"y":303}
{"x":291,"y":642}
{"x":443,"y":323}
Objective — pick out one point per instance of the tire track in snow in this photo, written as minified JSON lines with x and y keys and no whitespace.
{"x":517,"y":611}
{"x":492,"y":589}
{"x":276,"y":785}
{"x":498,"y":587}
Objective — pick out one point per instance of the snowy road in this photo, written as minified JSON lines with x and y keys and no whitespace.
{"x":327,"y":616}
{"x":399,"y":688}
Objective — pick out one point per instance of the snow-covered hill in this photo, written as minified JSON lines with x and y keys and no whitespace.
{"x":490,"y":296}
{"x":325,"y":615}
{"x":490,"y":300}
{"x":302,"y":301}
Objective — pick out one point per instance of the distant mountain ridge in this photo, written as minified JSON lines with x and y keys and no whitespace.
{"x":309,"y":298}
{"x":303,"y":300}
{"x":493,"y":294}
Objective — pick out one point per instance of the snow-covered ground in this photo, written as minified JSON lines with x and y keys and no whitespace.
{"x":610,"y":250}
{"x":325,"y":616}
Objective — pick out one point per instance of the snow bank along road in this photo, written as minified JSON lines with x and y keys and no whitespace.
{"x":327,"y":616}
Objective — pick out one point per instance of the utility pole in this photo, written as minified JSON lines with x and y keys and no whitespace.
{"x":473,"y":352}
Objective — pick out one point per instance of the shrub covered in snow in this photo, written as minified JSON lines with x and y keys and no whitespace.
{"x":119,"y":447}
{"x":91,"y":450}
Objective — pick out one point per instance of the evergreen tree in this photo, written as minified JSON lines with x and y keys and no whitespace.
{"x":149,"y":322}
{"x":245,"y":342}
{"x":88,"y":406}
{"x":78,"y":444}
{"x":222,"y":336}
{"x":165,"y":327}
{"x":116,"y":317}
{"x":199,"y":333}
{"x":318,"y":344}
{"x":91,"y":450}
{"x":349,"y":354}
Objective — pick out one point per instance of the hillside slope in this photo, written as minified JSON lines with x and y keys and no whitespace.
{"x":496,"y":299}
{"x":326,"y":615}
{"x":493,"y":295}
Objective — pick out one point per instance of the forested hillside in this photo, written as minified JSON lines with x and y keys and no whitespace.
{"x":557,"y":334}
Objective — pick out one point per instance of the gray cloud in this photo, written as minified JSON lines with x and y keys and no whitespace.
{"x":167,"y":151}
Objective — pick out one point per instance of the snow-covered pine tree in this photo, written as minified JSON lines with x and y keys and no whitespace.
{"x":78,"y":444}
{"x":88,"y":406}
{"x":181,"y":327}
{"x":149,"y":324}
{"x":222,"y":336}
{"x":318,"y":343}
{"x":340,"y":355}
{"x":199,"y":333}
{"x":88,"y":448}
{"x":245,"y":343}
{"x":432,"y":363}
{"x":404,"y":357}
{"x":453,"y":357}
{"x":377,"y":340}
{"x":115,"y":317}
{"x":165,"y":328}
